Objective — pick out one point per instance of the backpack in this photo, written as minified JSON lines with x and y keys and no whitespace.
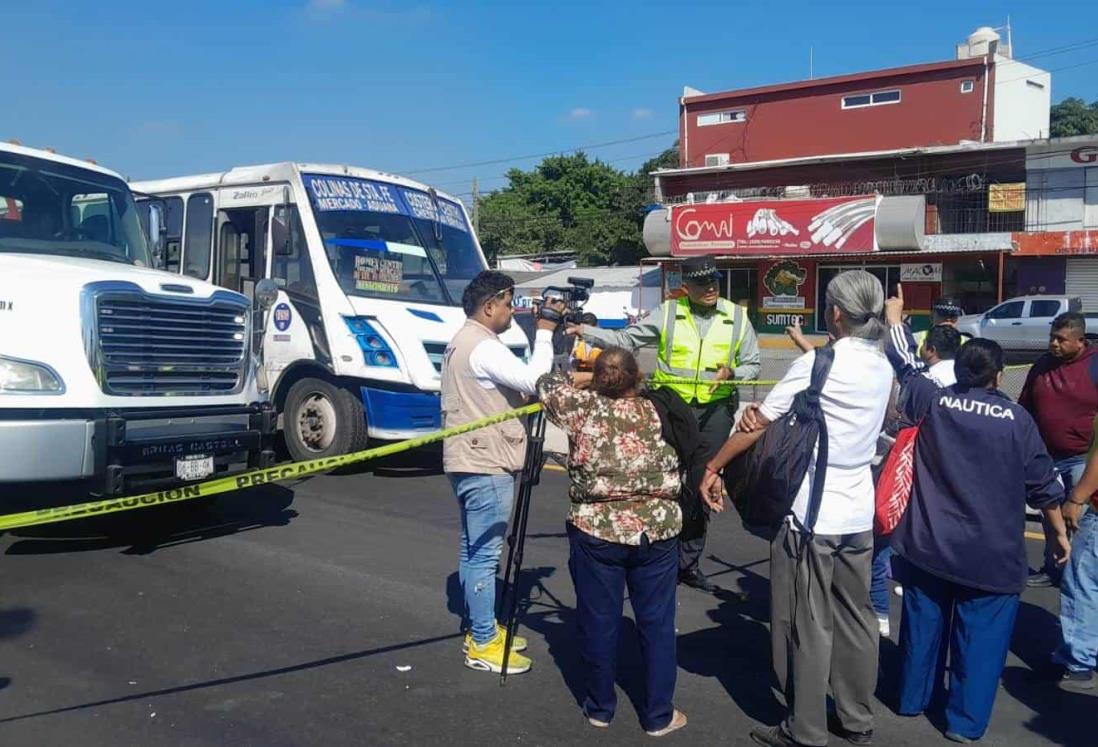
{"x":893,"y":490}
{"x":763,"y":482}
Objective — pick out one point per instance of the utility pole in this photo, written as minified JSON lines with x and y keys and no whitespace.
{"x":476,"y":207}
{"x":811,"y":54}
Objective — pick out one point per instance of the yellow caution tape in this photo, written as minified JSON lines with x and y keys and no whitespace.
{"x":278,"y":473}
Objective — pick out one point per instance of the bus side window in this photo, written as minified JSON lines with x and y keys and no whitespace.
{"x":290,"y":254}
{"x":198,"y":235}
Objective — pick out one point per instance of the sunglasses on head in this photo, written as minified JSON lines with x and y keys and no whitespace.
{"x":498,"y":297}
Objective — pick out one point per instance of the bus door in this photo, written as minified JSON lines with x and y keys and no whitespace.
{"x":242,"y":248}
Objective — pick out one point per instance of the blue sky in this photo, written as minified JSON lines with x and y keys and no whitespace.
{"x":161,"y":89}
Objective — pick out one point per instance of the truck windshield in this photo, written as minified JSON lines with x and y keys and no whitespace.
{"x":47,"y":207}
{"x":386,"y":241}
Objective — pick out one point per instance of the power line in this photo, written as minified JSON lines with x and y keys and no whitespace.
{"x":1052,"y":70}
{"x":590,"y":146}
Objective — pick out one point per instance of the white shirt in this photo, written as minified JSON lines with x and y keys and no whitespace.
{"x":942,"y":373}
{"x":493,"y":363}
{"x":854,"y":399}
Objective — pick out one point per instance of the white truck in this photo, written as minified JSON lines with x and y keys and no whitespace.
{"x":370,"y":268}
{"x":113,"y":373}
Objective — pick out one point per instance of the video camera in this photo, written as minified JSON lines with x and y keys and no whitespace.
{"x":574,"y":297}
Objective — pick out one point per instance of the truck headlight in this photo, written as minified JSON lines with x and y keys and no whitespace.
{"x":25,"y":377}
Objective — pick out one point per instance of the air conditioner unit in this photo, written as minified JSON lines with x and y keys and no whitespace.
{"x":718,"y":159}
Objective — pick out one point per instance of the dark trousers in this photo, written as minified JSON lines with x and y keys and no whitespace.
{"x":977,"y":626}
{"x":601,"y":571}
{"x":715,"y":422}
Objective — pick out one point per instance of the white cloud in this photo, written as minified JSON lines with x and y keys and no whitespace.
{"x":642,"y":113}
{"x":580,"y":113}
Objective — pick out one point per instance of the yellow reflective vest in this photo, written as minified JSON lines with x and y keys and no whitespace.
{"x":684,"y":354}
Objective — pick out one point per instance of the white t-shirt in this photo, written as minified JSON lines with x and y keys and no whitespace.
{"x":854,"y":400}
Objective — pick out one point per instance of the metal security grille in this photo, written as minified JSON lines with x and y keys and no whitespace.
{"x":148,"y":345}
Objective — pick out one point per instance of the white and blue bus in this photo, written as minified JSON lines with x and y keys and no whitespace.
{"x":370,"y":269}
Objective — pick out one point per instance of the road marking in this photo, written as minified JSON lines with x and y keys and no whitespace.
{"x":554,"y":468}
{"x":1034,"y":536}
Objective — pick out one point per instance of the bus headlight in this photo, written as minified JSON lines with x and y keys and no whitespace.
{"x":375,"y":351}
{"x":26,"y":377}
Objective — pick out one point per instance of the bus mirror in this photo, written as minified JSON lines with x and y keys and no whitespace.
{"x":266,"y":293}
{"x":280,"y":232}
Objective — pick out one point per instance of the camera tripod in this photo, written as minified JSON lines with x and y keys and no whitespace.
{"x":516,"y":539}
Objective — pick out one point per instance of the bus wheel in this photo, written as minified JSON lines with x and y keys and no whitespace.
{"x":321,"y":419}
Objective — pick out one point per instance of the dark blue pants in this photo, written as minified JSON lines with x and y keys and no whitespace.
{"x":977,"y":626}
{"x":882,"y":572}
{"x":601,"y":571}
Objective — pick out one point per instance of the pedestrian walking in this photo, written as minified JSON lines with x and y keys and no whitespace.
{"x":706,"y":339}
{"x":823,"y":629}
{"x":622,"y":526}
{"x":480,"y":378}
{"x":1078,"y":653}
{"x":979,"y":459}
{"x":1061,"y":393}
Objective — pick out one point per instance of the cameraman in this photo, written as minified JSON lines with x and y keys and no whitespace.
{"x":713,"y":342}
{"x":481,"y":377}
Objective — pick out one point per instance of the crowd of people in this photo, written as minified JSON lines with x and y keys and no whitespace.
{"x":646,"y":462}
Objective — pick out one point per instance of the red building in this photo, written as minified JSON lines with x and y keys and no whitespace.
{"x":915,"y":173}
{"x":983,"y":96}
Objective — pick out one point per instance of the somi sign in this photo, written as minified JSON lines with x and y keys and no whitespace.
{"x":821,"y":226}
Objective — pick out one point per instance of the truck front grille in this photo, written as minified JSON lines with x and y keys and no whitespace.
{"x":152,"y":345}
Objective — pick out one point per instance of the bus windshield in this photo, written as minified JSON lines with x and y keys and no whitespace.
{"x":387,"y":241}
{"x":47,"y":207}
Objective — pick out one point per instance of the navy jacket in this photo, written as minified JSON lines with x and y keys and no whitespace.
{"x":978,"y":459}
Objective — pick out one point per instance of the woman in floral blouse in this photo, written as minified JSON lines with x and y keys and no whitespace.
{"x":623,"y":530}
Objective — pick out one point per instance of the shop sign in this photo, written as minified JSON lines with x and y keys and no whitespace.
{"x":761,"y":227}
{"x":1006,"y":198}
{"x":784,"y":280}
{"x":1055,"y":243}
{"x":927,"y":272}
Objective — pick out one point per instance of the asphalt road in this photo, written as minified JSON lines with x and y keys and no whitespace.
{"x":325,"y":613}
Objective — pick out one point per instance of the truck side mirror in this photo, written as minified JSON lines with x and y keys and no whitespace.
{"x":157,"y":233}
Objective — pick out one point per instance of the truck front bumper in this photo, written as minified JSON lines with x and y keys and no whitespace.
{"x":124,"y":450}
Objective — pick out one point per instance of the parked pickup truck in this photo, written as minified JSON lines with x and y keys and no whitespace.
{"x":1023,"y":323}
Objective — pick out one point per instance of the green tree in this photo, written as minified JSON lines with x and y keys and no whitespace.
{"x":1072,"y":116}
{"x":571,"y":203}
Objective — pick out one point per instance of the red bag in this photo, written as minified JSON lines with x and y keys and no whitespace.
{"x":894,"y":483}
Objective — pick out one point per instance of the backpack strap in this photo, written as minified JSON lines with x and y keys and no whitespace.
{"x":821,"y":367}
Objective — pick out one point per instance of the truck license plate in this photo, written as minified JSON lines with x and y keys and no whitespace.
{"x":194,"y":468}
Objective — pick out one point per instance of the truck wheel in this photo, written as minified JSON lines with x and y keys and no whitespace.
{"x":321,"y":419}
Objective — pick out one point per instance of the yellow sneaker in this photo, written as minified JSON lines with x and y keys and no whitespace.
{"x":489,"y":657}
{"x":518,"y":643}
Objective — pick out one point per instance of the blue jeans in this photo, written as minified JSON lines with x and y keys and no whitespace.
{"x":485,"y":503}
{"x":601,"y":571}
{"x":975,"y":626}
{"x":1071,"y":471}
{"x":882,"y":571}
{"x":1079,"y":599}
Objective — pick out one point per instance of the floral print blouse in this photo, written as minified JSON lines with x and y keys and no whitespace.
{"x":625,"y":477}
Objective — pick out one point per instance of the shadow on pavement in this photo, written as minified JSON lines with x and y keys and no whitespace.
{"x":262,"y":674}
{"x":144,"y":531}
{"x":732,"y":651}
{"x":1064,"y":718}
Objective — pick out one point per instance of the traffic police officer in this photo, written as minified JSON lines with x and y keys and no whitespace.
{"x":943,"y":311}
{"x":704,"y":338}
